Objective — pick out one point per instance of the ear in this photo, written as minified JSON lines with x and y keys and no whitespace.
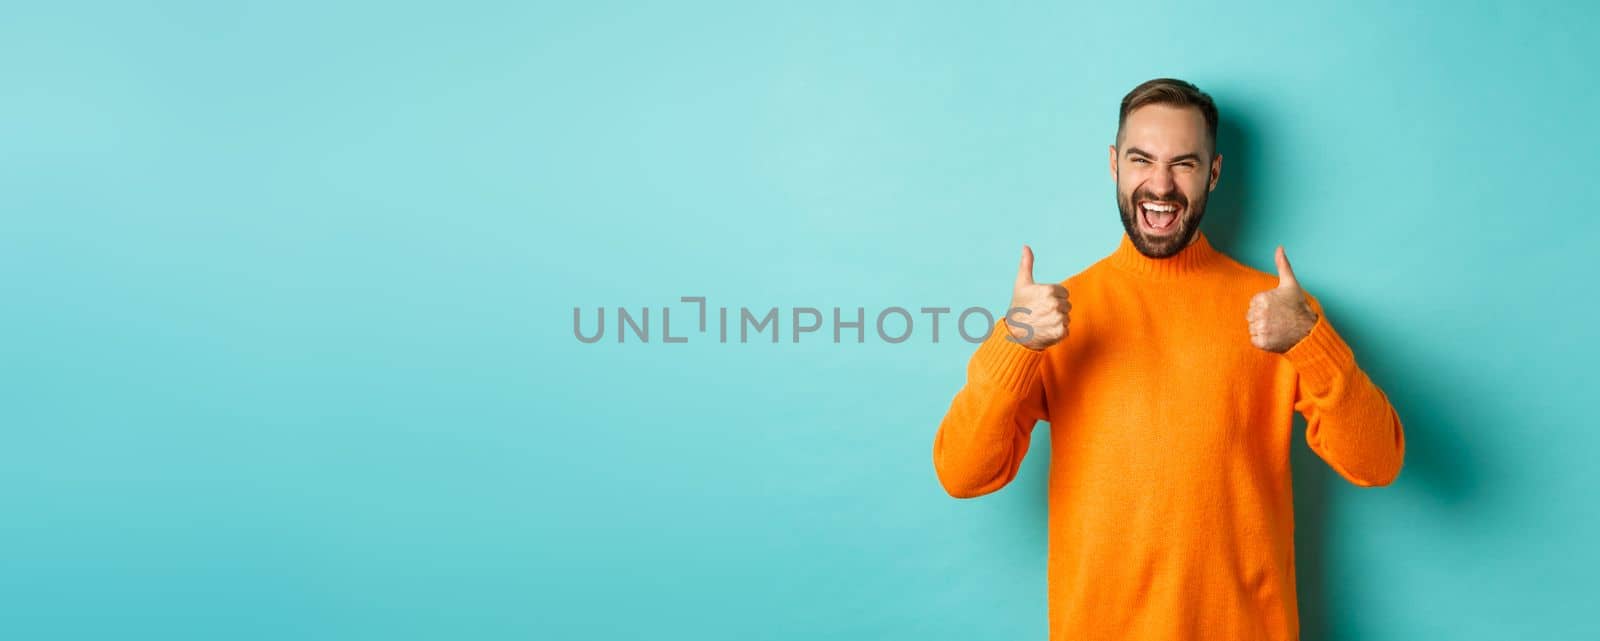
{"x":1216,"y":172}
{"x":1113,"y":161}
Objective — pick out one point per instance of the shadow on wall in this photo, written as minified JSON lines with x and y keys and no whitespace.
{"x":1439,"y":465}
{"x":1441,"y":461}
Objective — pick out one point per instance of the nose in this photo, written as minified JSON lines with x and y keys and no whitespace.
{"x":1162,"y":181}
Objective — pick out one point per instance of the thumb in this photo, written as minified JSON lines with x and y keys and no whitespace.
{"x":1285,"y":273}
{"x":1025,"y":270}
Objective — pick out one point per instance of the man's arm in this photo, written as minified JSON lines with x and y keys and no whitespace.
{"x":1349,"y":421}
{"x":985,"y":434}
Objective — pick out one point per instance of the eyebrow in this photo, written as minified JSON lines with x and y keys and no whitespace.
{"x":1135,"y":150}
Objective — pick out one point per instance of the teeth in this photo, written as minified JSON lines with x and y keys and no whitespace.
{"x":1160,"y":208}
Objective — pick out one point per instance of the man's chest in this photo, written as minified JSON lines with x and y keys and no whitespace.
{"x":1162,"y":357}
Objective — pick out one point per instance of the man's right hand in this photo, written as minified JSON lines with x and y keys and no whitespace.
{"x":1039,"y":312}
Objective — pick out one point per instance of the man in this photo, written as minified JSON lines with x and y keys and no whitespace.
{"x":1170,"y":395}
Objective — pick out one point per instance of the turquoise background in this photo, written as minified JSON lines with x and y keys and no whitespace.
{"x":289,"y":287}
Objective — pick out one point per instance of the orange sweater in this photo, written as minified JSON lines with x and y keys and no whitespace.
{"x":1171,"y":513}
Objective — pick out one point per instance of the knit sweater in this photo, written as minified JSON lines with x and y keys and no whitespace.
{"x":1171,"y":514}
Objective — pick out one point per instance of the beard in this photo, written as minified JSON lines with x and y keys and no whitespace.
{"x":1161,"y":246}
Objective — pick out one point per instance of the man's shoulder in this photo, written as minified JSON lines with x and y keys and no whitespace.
{"x":1245,"y":275}
{"x":1091,"y":273}
{"x":1096,"y":271}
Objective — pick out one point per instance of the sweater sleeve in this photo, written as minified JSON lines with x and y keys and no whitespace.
{"x":1349,"y":421}
{"x":984,"y":435}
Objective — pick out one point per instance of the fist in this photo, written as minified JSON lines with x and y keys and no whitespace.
{"x":1280,"y":317}
{"x":1039,"y":312}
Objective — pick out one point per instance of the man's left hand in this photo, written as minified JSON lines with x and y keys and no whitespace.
{"x":1280,"y":317}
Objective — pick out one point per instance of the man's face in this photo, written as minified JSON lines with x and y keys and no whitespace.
{"x":1164,"y":169}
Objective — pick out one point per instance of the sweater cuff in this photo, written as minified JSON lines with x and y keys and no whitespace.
{"x":1321,"y":357}
{"x":1002,"y":362}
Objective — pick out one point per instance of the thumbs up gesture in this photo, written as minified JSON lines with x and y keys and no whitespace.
{"x":1280,"y":317}
{"x":1038,"y":315}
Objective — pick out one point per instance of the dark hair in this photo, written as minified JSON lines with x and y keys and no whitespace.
{"x":1170,"y":91}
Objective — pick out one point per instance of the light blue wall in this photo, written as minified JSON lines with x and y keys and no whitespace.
{"x":288,"y":293}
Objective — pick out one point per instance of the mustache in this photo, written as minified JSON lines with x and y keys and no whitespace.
{"x":1171,"y":197}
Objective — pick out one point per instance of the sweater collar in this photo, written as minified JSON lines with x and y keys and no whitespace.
{"x":1198,"y":256}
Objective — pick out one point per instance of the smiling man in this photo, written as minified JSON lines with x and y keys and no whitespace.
{"x":1170,"y":396}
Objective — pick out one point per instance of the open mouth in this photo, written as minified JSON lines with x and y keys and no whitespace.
{"x":1159,"y":217}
